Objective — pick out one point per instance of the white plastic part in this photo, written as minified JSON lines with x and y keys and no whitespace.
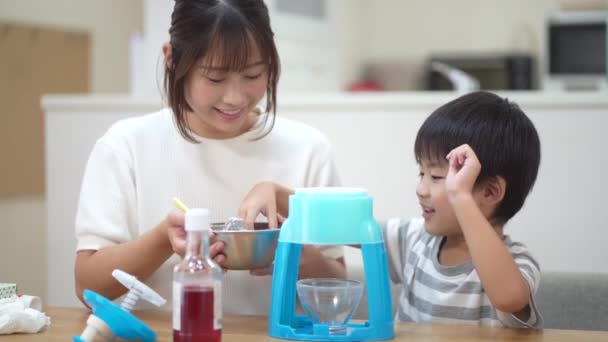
{"x":198,"y":219}
{"x":462,"y":82}
{"x":137,"y":290}
{"x":96,"y":330}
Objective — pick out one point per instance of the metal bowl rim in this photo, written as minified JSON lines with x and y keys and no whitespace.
{"x":226,"y":232}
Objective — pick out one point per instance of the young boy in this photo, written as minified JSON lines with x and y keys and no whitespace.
{"x":479,"y":157}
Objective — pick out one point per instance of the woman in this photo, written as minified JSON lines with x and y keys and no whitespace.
{"x":208,"y":148}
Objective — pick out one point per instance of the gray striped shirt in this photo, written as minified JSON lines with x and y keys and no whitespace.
{"x":448,"y":294}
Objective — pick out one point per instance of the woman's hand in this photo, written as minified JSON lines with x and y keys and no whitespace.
{"x":177,"y":237}
{"x":263,"y":199}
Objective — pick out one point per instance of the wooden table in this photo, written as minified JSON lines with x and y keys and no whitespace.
{"x":66,"y":322}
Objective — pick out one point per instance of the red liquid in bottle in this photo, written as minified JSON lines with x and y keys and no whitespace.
{"x":197,"y":316}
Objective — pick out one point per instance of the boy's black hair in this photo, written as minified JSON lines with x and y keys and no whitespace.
{"x":502,"y":136}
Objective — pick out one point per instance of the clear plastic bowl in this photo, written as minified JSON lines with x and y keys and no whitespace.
{"x":329,"y":301}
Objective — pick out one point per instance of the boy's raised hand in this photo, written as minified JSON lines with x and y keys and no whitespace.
{"x":463,"y":169}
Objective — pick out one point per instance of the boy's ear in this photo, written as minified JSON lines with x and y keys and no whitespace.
{"x":494,"y":191}
{"x":167,"y":53}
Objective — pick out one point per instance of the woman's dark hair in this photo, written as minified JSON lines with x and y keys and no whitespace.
{"x":221,"y":30}
{"x":502,"y":136}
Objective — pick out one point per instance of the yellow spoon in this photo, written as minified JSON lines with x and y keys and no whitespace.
{"x":179,"y":204}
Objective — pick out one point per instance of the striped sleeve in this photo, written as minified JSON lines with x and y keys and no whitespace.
{"x":394,"y":232}
{"x":530,"y":270}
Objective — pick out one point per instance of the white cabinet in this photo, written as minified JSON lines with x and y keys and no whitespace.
{"x":305,"y":33}
{"x":309,"y":21}
{"x":146,"y":58}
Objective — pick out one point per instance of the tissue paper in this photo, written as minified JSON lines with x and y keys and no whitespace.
{"x":18,"y":316}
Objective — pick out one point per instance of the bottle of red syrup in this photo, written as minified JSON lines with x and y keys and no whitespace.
{"x":197,"y":285}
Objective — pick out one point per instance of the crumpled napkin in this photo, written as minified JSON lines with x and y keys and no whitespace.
{"x":22,"y":315}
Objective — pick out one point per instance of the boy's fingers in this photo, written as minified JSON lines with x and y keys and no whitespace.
{"x":453,"y":161}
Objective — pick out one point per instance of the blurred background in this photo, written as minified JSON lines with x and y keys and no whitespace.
{"x":109,"y":51}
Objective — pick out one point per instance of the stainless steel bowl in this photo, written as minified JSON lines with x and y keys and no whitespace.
{"x":247,"y":249}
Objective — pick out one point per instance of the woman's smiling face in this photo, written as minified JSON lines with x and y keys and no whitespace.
{"x":223,"y":101}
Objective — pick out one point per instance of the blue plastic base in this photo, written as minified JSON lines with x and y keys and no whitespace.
{"x":122,"y":323}
{"x":304,"y":330}
{"x":283,"y":323}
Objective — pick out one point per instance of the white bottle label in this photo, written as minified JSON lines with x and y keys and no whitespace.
{"x":177,"y":304}
{"x":217,"y":305}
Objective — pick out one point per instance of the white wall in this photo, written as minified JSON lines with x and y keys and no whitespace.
{"x":563,"y":221}
{"x":385,"y":30}
{"x":110,"y":23}
{"x":352,"y":27}
{"x":410,"y":29}
{"x":394,"y":30}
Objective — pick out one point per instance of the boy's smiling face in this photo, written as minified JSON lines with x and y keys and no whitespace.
{"x":438,"y":214}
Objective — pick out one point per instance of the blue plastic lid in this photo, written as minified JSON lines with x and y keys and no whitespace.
{"x":330,"y":216}
{"x":122,"y":323}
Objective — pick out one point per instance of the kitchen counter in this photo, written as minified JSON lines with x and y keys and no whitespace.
{"x":315,"y":101}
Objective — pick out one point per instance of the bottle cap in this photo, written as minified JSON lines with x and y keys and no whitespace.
{"x":198,"y":219}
